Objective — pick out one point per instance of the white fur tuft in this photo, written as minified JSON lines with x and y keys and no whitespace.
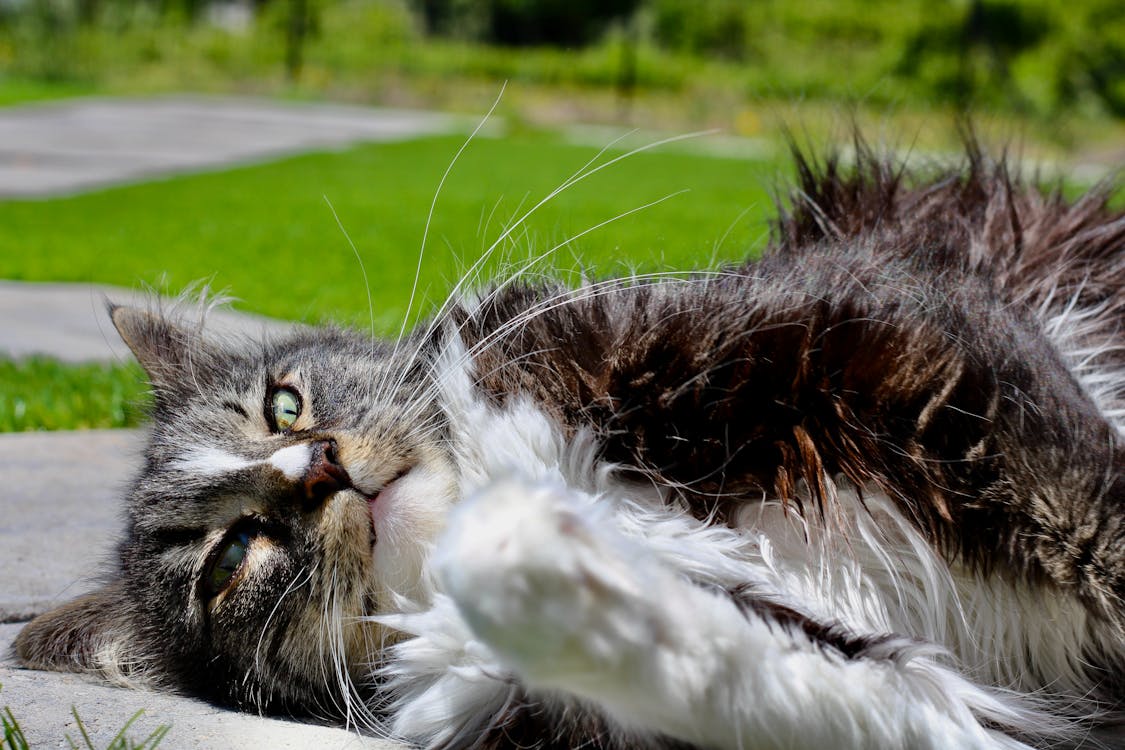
{"x":292,"y":461}
{"x":557,"y":576}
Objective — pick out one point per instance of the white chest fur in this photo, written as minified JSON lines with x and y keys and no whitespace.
{"x":556,"y":576}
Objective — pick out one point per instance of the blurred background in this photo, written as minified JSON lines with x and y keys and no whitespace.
{"x":309,"y":233}
{"x":1058,"y":68}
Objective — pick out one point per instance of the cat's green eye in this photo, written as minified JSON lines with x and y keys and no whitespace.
{"x":285,"y":407}
{"x":226,"y":564}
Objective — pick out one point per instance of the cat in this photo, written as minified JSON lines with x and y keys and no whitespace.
{"x":865,"y":491}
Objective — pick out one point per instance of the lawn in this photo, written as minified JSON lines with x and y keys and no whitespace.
{"x":42,"y":394}
{"x":267,"y":235}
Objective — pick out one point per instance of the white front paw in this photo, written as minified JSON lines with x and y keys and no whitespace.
{"x":543,"y":577}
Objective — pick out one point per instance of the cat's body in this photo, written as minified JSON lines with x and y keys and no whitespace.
{"x":866,"y":492}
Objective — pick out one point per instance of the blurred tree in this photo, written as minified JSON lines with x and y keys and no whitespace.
{"x":300,"y":22}
{"x":970,"y":59}
{"x":560,"y":23}
{"x":706,"y":27}
{"x":45,"y":31}
{"x":459,"y":19}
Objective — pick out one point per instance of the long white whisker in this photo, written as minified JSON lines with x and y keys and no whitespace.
{"x":293,"y":586}
{"x":565,"y":297}
{"x":362,"y":268}
{"x":574,"y":179}
{"x":585,"y":171}
{"x":433,"y":206}
{"x":581,"y":174}
{"x":510,"y":278}
{"x":426,"y":230}
{"x":718,"y":246}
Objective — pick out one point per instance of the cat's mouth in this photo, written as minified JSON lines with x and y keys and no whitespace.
{"x":378,"y":501}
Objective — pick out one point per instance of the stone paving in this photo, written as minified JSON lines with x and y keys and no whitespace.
{"x":60,"y":511}
{"x":70,"y":321}
{"x":66,"y":147}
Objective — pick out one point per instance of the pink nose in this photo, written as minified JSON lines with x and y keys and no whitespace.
{"x":325,"y":475}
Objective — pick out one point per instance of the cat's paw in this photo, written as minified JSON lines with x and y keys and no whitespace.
{"x":542,"y":575}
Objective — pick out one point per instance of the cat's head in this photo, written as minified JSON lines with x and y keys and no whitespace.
{"x":289,"y":490}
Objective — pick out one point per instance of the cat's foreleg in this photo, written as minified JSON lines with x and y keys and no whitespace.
{"x":569,"y":603}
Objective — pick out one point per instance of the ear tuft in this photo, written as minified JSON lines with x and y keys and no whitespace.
{"x":164,"y":349}
{"x":89,"y":634}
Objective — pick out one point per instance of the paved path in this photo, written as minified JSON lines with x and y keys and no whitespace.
{"x":70,"y":321}
{"x":61,"y":513}
{"x":65,"y":147}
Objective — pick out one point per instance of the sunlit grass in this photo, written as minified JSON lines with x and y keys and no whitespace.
{"x":43,"y":394}
{"x":267,"y":234}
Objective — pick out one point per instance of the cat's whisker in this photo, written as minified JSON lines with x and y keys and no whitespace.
{"x":362,"y":270}
{"x":579,"y":175}
{"x":570,"y":296}
{"x":336,"y":650}
{"x":717,"y":246}
{"x":551,"y":302}
{"x":290,"y":587}
{"x":430,"y":217}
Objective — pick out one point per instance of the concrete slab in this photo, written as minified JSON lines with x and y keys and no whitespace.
{"x":65,"y":147}
{"x":59,"y":513}
{"x":42,"y":702}
{"x":69,"y":321}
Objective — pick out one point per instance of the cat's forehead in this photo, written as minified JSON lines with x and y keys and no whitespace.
{"x":312,"y":356}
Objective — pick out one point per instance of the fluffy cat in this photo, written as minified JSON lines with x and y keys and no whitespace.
{"x":864,"y":492}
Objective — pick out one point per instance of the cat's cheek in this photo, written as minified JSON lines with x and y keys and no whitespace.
{"x":345,"y":527}
{"x":407,"y":517}
{"x":380,"y":507}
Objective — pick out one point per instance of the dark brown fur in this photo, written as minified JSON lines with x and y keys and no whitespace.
{"x":892,"y":335}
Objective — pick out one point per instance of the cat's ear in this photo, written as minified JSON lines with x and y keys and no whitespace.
{"x":90,"y":634}
{"x":165,"y":349}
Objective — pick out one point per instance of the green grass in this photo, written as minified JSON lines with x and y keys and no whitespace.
{"x":267,"y":235}
{"x":12,"y":737}
{"x":121,"y":740}
{"x":43,"y":394}
{"x":21,"y":90}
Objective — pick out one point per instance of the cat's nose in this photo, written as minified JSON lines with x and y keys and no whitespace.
{"x":325,"y":475}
